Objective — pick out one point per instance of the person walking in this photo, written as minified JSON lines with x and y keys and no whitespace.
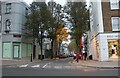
{"x":85,"y":55}
{"x":77,"y":57}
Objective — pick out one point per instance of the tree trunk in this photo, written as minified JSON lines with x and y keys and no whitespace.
{"x":34,"y":53}
{"x":78,"y":46}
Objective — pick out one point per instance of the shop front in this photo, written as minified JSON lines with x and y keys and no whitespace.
{"x":16,"y":50}
{"x":109,"y":46}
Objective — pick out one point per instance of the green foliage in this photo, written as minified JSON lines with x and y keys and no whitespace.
{"x":38,"y":20}
{"x":54,"y":26}
{"x":80,"y":19}
{"x":72,"y":45}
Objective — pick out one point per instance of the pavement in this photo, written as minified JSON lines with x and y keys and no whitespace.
{"x":86,"y":63}
{"x":98,"y":64}
{"x":22,"y":61}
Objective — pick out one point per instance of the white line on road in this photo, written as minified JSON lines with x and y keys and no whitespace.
{"x":24,"y":65}
{"x":58,"y":67}
{"x":108,"y":69}
{"x":35,"y":66}
{"x":11,"y":66}
{"x":45,"y":65}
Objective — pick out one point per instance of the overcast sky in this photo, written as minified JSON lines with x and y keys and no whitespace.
{"x":62,"y":2}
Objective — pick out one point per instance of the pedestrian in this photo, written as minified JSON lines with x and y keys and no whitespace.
{"x":85,"y":56}
{"x":74,"y":56}
{"x":77,"y":57}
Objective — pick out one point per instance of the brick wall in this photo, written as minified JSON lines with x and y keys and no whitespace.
{"x":107,"y":14}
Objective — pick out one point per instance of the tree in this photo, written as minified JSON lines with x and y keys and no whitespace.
{"x":62,"y":34}
{"x":79,"y":15}
{"x":37,"y":22}
{"x":72,"y":45}
{"x":55,"y":26}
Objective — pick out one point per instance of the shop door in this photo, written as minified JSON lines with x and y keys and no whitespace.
{"x":16,"y":51}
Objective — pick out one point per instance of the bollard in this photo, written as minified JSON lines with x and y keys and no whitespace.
{"x":31,"y":58}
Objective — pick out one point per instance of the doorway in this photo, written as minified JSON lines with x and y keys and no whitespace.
{"x":16,"y":51}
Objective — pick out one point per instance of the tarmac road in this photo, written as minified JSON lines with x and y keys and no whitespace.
{"x":55,"y":68}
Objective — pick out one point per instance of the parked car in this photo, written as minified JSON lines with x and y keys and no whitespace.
{"x":79,"y":55}
{"x":62,"y":56}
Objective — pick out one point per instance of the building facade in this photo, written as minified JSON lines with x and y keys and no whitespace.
{"x":14,"y":44}
{"x":0,"y":33}
{"x":104,"y":34}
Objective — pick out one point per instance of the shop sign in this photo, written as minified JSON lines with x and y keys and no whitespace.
{"x":113,"y":36}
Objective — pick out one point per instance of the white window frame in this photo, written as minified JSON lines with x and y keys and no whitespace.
{"x":114,"y":4}
{"x":117,"y":26}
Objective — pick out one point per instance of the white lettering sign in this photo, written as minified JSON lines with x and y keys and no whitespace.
{"x":113,"y":36}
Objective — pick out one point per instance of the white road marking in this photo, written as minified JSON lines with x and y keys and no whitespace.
{"x":23,"y":65}
{"x":11,"y":66}
{"x":35,"y":66}
{"x":68,"y":67}
{"x":89,"y":70}
{"x":45,"y":65}
{"x":108,"y":69}
{"x":58,"y":67}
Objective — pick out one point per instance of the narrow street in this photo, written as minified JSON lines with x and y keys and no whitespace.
{"x":59,"y":67}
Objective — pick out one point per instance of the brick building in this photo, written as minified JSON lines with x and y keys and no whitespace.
{"x":104,"y":34}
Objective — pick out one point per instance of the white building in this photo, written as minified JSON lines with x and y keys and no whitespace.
{"x":104,"y":29}
{"x":0,"y":33}
{"x":14,"y":44}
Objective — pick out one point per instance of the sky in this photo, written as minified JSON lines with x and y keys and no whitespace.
{"x":28,"y":1}
{"x":62,"y":2}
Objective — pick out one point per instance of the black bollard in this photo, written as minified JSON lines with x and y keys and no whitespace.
{"x":31,"y":58}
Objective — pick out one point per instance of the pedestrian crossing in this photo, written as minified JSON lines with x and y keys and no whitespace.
{"x":35,"y":66}
{"x":46,"y":66}
{"x":23,"y":65}
{"x":56,"y":66}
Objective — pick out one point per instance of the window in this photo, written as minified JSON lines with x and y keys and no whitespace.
{"x":7,"y":25}
{"x":114,"y":4}
{"x":0,"y":24}
{"x":8,"y":8}
{"x":115,"y":23}
{"x":26,"y":9}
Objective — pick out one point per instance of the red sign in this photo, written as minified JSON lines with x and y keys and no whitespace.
{"x":17,"y":35}
{"x":81,"y":43}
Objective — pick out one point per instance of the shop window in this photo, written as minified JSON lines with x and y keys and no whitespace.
{"x":114,"y":4}
{"x":6,"y":50}
{"x":115,"y":23}
{"x":8,"y":8}
{"x":114,"y":48}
